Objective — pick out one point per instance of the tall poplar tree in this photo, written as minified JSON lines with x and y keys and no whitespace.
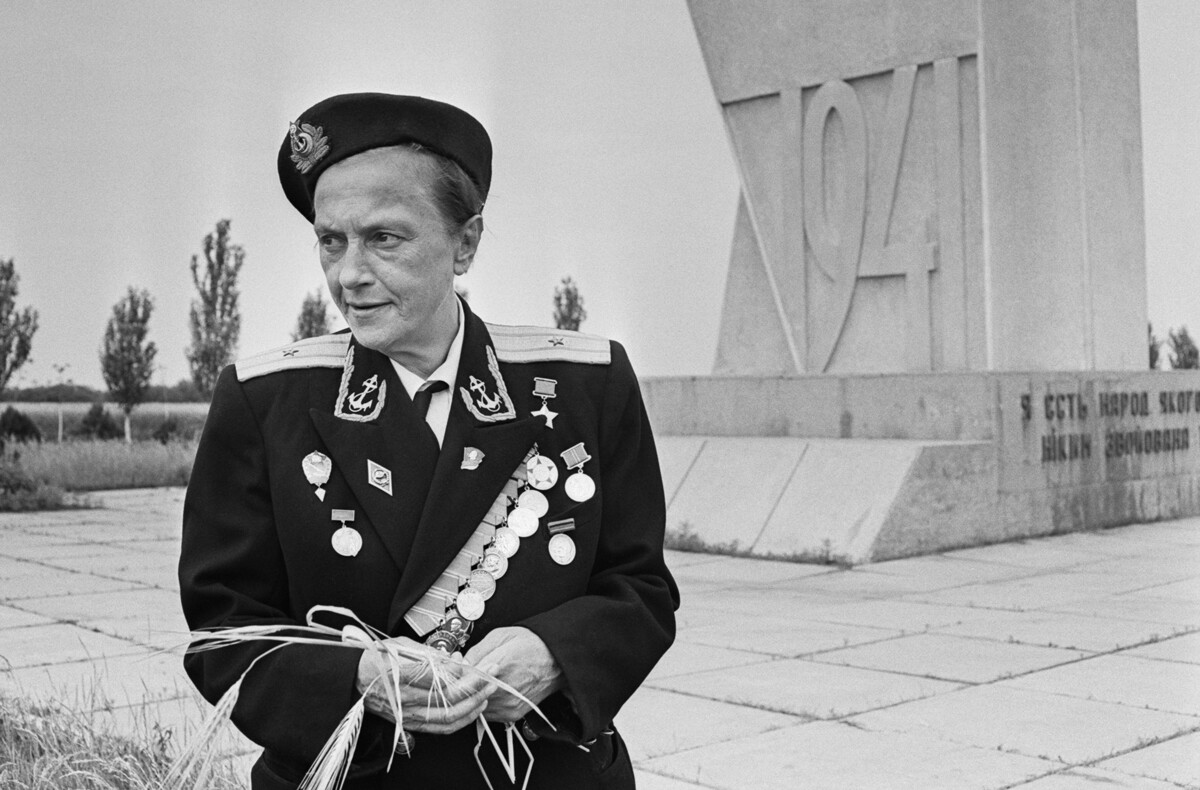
{"x":568,"y":306}
{"x":314,"y":317}
{"x":16,"y":326}
{"x":126,"y":359}
{"x":215,"y":319}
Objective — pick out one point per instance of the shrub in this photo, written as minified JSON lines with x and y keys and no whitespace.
{"x":99,"y":424}
{"x":20,"y":492}
{"x":167,"y":431}
{"x":18,"y":427}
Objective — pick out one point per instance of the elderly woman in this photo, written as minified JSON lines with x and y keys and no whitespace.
{"x":490,"y":492}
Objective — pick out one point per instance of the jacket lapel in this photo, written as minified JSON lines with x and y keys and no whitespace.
{"x":391,"y":437}
{"x":459,"y":498}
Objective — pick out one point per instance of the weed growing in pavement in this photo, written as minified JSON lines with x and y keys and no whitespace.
{"x":684,"y":538}
{"x":50,"y":746}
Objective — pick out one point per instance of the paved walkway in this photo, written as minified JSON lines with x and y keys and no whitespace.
{"x":1068,"y":662}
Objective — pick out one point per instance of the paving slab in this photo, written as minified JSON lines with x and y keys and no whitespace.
{"x":33,"y":580}
{"x":114,"y":679}
{"x":1054,"y":629}
{"x":1130,"y":607}
{"x":16,"y":618}
{"x":1178,"y":648}
{"x":35,"y":645}
{"x":1176,"y":760}
{"x":1130,"y":680}
{"x":647,"y":780}
{"x":941,"y":572}
{"x":1029,"y":722}
{"x":835,"y":756}
{"x":952,"y":658}
{"x":1033,"y":554}
{"x":1032,"y":592}
{"x":685,"y":658}
{"x":695,"y":722}
{"x":124,"y":564}
{"x":1094,"y":779}
{"x":807,"y":688}
{"x":128,"y":603}
{"x":776,"y":635}
{"x":907,"y":616}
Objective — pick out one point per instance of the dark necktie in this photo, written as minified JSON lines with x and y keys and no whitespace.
{"x":425,"y":394}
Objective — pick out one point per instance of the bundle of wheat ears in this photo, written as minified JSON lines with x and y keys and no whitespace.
{"x":329,"y":770}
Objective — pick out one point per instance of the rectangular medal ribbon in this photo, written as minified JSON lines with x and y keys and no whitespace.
{"x":562,"y":525}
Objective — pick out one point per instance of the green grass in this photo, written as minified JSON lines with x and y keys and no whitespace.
{"x":96,"y":466}
{"x":54,"y":747}
{"x":145,"y":418}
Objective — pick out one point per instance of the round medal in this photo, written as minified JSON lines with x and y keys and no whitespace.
{"x":507,"y":542}
{"x":543,"y":474}
{"x":523,"y":522}
{"x":406,"y":744}
{"x":442,"y":640}
{"x":470,"y":603}
{"x":580,"y":487}
{"x":562,"y":549}
{"x":346,"y":541}
{"x":484,"y":582}
{"x":459,"y":626}
{"x":494,"y":563}
{"x":534,"y":501}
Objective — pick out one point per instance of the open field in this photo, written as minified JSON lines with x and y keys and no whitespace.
{"x":146,"y":418}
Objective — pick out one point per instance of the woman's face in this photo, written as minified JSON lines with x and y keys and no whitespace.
{"x":388,"y":256}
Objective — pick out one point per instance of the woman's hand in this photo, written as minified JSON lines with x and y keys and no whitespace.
{"x":462,"y":698}
{"x":521,"y":659}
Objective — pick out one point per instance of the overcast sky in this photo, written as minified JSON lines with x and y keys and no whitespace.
{"x":130,"y":128}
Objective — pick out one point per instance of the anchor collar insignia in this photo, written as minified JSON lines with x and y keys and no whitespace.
{"x":363,"y":390}
{"x":362,"y":393}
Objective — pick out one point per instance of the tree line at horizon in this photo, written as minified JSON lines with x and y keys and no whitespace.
{"x":127,"y":356}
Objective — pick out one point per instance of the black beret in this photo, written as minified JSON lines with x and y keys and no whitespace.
{"x":341,"y":126}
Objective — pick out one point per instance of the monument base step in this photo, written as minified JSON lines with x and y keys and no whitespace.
{"x":855,"y":501}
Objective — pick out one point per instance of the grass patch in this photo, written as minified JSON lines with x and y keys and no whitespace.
{"x":684,"y":538}
{"x":97,"y":466}
{"x":49,"y":746}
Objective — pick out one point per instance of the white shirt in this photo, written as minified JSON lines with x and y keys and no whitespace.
{"x":439,"y":403}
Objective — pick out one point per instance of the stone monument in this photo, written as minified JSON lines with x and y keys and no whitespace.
{"x":934,"y":326}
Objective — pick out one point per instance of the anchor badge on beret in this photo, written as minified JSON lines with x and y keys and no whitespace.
{"x":309,"y":145}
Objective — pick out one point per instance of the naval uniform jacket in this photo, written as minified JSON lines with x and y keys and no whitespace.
{"x":257,"y":542}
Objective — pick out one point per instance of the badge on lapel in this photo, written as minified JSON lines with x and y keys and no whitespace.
{"x":359,"y":401}
{"x":379,"y":476}
{"x":488,"y":406}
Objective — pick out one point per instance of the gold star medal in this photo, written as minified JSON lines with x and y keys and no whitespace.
{"x":544,"y":389}
{"x":317,"y":468}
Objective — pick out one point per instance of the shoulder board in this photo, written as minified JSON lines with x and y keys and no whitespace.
{"x":540,"y":344}
{"x":326,"y":351}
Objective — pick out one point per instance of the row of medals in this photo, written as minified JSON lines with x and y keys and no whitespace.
{"x":521,"y":521}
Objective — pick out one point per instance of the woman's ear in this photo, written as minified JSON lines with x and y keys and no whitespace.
{"x":468,"y":243}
